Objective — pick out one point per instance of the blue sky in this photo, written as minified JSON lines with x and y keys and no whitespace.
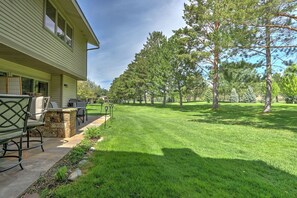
{"x":122,"y":27}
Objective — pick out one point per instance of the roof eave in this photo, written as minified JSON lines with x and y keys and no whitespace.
{"x":92,"y":39}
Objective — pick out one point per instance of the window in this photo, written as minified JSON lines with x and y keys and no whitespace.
{"x":41,"y":88}
{"x":55,"y":22}
{"x":3,"y":73}
{"x":27,"y":86}
{"x":69,"y":35}
{"x":34,"y":87}
{"x":50,"y":17}
{"x":61,"y":27}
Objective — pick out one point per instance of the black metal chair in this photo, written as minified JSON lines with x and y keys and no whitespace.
{"x":81,"y":112}
{"x":38,"y":109}
{"x":13,"y":124}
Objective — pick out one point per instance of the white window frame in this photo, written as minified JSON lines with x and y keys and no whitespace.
{"x":64,"y":41}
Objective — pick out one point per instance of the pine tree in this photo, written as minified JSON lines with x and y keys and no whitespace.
{"x":208,"y":95}
{"x":216,"y":27}
{"x":233,"y":96}
{"x":249,"y":96}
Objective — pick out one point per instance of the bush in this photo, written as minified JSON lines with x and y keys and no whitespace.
{"x":249,"y":96}
{"x":234,"y":96}
{"x":92,"y":133}
{"x":61,"y":174}
{"x":291,"y":100}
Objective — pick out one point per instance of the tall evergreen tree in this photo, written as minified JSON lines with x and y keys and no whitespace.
{"x":183,"y":63}
{"x":159,"y":69}
{"x":215,"y":24}
{"x":274,"y":25}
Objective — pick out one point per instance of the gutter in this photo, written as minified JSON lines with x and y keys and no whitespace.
{"x":94,"y":48}
{"x":82,"y":15}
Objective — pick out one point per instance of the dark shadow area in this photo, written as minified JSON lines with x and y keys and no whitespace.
{"x":178,"y":173}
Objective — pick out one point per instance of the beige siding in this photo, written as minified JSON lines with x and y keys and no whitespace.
{"x":22,"y":28}
{"x":20,"y":70}
{"x":56,"y":89}
{"x":69,"y":89}
{"x":2,"y":85}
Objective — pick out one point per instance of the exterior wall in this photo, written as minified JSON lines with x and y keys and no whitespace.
{"x":68,"y":89}
{"x":20,"y":70}
{"x":22,"y":28}
{"x":56,"y":89}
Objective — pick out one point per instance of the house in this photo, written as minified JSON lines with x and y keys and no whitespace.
{"x":44,"y":44}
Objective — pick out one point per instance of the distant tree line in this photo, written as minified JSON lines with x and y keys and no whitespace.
{"x":89,"y":90}
{"x":227,"y":46}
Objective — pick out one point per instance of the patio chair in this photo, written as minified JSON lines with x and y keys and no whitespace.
{"x":72,"y":102}
{"x":13,"y":124}
{"x":53,"y":105}
{"x":38,"y":109}
{"x":39,"y":106}
{"x":81,"y":113}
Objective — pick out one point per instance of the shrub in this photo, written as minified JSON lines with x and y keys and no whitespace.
{"x":249,"y":96}
{"x":78,"y":152}
{"x":234,"y":96}
{"x":92,"y":133}
{"x":61,"y":174}
{"x":291,"y":100}
{"x":45,"y":193}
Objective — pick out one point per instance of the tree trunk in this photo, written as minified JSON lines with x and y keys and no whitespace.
{"x":140,"y":99}
{"x":268,"y":96}
{"x":164,"y":99}
{"x":152,"y":99}
{"x":215,"y":101}
{"x":134,"y":100}
{"x":144,"y":96}
{"x":180,"y":96}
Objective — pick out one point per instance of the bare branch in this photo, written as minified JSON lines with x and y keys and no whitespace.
{"x":287,"y":15}
{"x":284,"y":46}
{"x":282,"y":26}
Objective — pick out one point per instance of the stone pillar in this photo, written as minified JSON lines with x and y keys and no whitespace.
{"x":60,"y":123}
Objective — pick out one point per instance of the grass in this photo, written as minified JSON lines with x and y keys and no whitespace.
{"x":151,"y":151}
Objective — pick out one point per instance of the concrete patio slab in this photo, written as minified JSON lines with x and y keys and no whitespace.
{"x":35,"y":162}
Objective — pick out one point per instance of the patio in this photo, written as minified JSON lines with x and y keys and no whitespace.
{"x":35,"y":162}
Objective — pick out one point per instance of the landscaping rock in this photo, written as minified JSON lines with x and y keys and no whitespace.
{"x":92,"y":149}
{"x":34,"y":195}
{"x":74,"y":175}
{"x":82,"y":162}
{"x":100,"y":139}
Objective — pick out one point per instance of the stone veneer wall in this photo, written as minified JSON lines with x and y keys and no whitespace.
{"x":60,"y":123}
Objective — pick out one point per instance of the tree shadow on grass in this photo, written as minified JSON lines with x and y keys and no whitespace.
{"x":95,"y":110}
{"x":178,"y":173}
{"x":188,"y":107}
{"x":282,"y":117}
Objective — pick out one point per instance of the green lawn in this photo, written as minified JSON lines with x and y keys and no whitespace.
{"x":150,"y":151}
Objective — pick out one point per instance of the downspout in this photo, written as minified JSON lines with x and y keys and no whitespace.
{"x":94,"y":48}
